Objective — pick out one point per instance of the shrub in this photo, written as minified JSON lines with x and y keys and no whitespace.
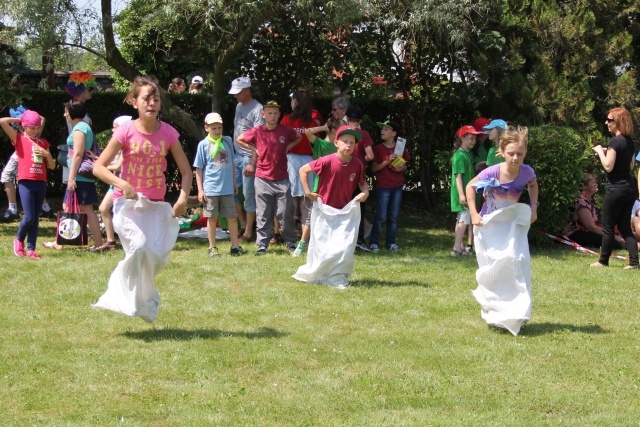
{"x":557,"y":154}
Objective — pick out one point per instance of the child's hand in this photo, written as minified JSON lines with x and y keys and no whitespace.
{"x":476,"y":219}
{"x":463,"y":200}
{"x":202,"y":197}
{"x":362,"y":197}
{"x":312,"y":196}
{"x":129,"y":192}
{"x":235,"y":191}
{"x":71,"y":184}
{"x":180,"y":208}
{"x":250,"y":170}
{"x":534,"y":216}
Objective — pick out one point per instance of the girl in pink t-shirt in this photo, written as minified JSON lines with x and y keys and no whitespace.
{"x":33,"y":153}
{"x":145,"y":223}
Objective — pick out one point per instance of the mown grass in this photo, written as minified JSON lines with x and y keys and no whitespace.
{"x":239,"y":343}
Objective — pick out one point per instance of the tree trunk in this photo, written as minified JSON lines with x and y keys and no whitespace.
{"x":121,"y":65}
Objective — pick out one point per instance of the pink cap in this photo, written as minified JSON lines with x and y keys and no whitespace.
{"x":30,"y":118}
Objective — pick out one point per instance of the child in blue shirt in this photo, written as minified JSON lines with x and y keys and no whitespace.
{"x":216,"y":182}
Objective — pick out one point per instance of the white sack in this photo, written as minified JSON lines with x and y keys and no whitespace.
{"x":148,"y":232}
{"x":504,"y":273}
{"x":334,"y":233}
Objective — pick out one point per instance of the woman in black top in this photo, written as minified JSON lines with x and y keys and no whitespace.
{"x":618,"y":160}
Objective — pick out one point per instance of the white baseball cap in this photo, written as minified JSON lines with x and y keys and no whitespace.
{"x":212,"y":118}
{"x":238,"y":84}
{"x":197,"y":79}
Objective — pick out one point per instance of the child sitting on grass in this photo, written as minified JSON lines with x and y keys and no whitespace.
{"x":216,"y":182}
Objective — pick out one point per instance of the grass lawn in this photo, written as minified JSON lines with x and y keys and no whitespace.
{"x":238,"y":342}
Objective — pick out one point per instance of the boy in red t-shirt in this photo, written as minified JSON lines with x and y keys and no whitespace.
{"x":330,"y":258}
{"x":389,"y":183}
{"x":271,"y":142}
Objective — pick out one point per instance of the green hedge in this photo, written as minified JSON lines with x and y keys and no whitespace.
{"x":560,"y":157}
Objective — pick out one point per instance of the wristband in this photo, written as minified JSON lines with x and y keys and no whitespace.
{"x":536,"y":203}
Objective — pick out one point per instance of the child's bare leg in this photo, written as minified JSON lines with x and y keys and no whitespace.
{"x":232,"y":223}
{"x":211,"y":231}
{"x":248,"y":228}
{"x":241,"y":217}
{"x":461,"y":227}
{"x":93,"y":223}
{"x":105,"y":211}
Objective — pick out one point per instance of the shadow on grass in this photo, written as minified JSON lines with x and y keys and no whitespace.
{"x":172,"y":334}
{"x":537,"y":329}
{"x":374,"y":283}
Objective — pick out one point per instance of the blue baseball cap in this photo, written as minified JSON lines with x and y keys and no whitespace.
{"x":497,"y":123}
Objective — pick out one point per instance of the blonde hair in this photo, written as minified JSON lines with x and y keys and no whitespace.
{"x":513,"y":135}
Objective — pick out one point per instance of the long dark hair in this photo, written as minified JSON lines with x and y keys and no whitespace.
{"x":304,"y":107}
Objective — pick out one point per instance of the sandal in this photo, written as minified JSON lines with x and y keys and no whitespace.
{"x":109,"y":246}
{"x":276,"y":239}
{"x":52,"y":245}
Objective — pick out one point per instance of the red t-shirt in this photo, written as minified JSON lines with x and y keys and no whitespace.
{"x":272,"y":146}
{"x":388,"y":177}
{"x":300,"y":125}
{"x":365,"y":141}
{"x":337,"y":181}
{"x":27,"y":168}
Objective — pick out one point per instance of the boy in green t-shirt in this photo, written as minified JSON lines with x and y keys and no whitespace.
{"x":462,"y":171}
{"x":321,"y":147}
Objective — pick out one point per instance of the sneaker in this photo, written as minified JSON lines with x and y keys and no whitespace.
{"x":393,"y":247}
{"x":261,"y":251}
{"x":237,"y":251}
{"x":374,"y":248}
{"x":213,"y":252}
{"x":362,"y":246}
{"x":18,"y":247}
{"x":32,"y":255}
{"x":302,"y":245}
{"x":9,"y":216}
{"x":291,"y":246}
{"x":456,"y":253}
{"x":468,"y":248}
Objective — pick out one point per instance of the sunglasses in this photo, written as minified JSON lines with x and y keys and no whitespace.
{"x":610,"y":120}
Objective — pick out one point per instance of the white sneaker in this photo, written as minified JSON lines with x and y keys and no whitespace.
{"x":393,"y":247}
{"x":374,"y":248}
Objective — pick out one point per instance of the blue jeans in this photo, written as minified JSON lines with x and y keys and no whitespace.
{"x":388,"y":202}
{"x":31,"y":195}
{"x":247,"y":182}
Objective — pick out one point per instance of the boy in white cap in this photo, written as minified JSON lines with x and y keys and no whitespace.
{"x":216,"y":182}
{"x":248,"y":115}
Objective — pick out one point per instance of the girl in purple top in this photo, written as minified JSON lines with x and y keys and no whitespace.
{"x":504,"y":183}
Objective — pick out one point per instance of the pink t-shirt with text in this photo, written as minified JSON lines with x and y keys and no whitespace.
{"x":144,"y":158}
